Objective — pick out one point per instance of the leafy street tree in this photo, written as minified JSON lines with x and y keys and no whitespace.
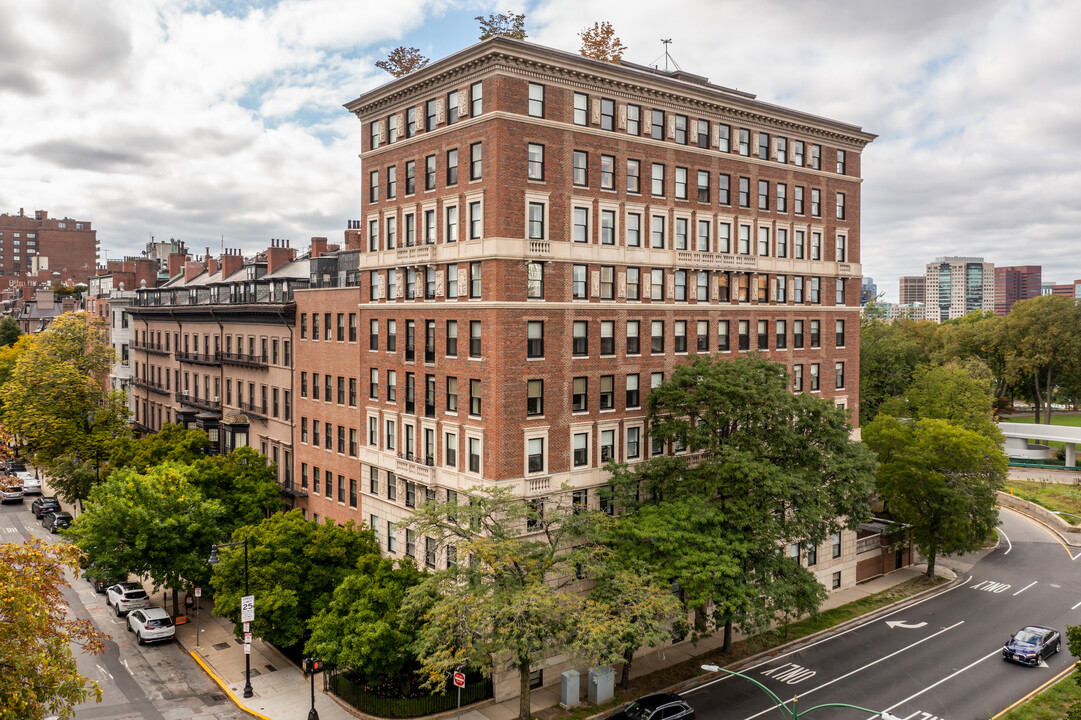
{"x":56,"y":401}
{"x":38,"y":672}
{"x":363,"y":627}
{"x":506,"y":601}
{"x":242,"y":482}
{"x":961,"y":394}
{"x":1041,"y":341}
{"x":889,"y":355}
{"x":939,"y":480}
{"x":600,"y":43}
{"x":633,"y":610}
{"x":402,"y":60}
{"x":764,"y":469}
{"x":9,"y":331}
{"x":1073,"y":642}
{"x":172,"y":442}
{"x":294,"y":567}
{"x":156,"y":524}
{"x":507,"y":24}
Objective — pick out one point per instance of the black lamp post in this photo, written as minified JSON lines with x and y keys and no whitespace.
{"x":214,"y":561}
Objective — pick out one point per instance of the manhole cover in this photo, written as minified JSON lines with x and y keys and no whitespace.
{"x":271,"y":668}
{"x":214,"y":699}
{"x":255,"y":672}
{"x":222,"y":646}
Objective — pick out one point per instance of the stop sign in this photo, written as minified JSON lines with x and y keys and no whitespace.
{"x":459,"y":679}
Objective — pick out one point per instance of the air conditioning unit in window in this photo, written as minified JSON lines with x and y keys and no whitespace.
{"x":217,"y":399}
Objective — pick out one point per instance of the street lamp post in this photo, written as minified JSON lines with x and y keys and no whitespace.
{"x":793,"y":712}
{"x":248,"y":692}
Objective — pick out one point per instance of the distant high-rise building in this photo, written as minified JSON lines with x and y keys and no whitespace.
{"x":41,"y":249}
{"x":957,"y":286}
{"x":868,"y":290}
{"x":912,"y":289}
{"x":1014,"y":284}
{"x":1068,"y":289}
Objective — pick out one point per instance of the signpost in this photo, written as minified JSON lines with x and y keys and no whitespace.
{"x":459,"y":682}
{"x":247,"y":609}
{"x":198,"y":595}
{"x":313,"y":666}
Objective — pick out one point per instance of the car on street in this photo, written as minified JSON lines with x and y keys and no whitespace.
{"x":126,"y":596}
{"x":31,"y":485}
{"x":44,"y":505}
{"x":56,"y":521}
{"x":10,"y":490}
{"x":1031,"y":644}
{"x":101,"y":584}
{"x":151,"y":625}
{"x":658,"y":706}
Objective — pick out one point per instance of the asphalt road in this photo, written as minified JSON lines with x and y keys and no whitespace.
{"x":939,"y":659}
{"x":154,"y":682}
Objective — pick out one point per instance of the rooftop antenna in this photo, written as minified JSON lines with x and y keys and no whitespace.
{"x":666,"y":55}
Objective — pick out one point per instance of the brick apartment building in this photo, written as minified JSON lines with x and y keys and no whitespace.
{"x":543,"y":238}
{"x":41,"y":249}
{"x":1014,"y":284}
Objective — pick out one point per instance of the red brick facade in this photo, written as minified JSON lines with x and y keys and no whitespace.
{"x":43,"y":249}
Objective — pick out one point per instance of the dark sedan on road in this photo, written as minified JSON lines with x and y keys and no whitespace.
{"x":54,"y":522}
{"x":1031,"y":644}
{"x":43,"y":506}
{"x":658,"y":706}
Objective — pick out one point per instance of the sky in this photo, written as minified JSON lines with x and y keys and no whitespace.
{"x":220,"y":122}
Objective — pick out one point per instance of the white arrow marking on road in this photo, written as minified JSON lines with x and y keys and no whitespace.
{"x":106,"y":672}
{"x":1043,"y":663}
{"x":126,"y":666}
{"x":902,"y":624}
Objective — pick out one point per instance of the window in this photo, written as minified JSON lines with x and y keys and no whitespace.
{"x":392,"y":182}
{"x":840,"y":333}
{"x":352,"y":334}
{"x":703,"y":133}
{"x":580,"y":341}
{"x":608,"y":114}
{"x":633,"y":397}
{"x":352,"y":392}
{"x":724,"y":237}
{"x":782,"y":288}
{"x":657,"y":179}
{"x":656,"y":337}
{"x":840,"y":162}
{"x":373,"y":383}
{"x":474,"y":397}
{"x":657,"y":124}
{"x":763,"y":334}
{"x":839,"y":375}
{"x":452,"y":282}
{"x":580,"y":285}
{"x":782,"y":242}
{"x":410,"y":122}
{"x":816,"y":246}
{"x":842,"y":242}
{"x":763,"y":246}
{"x":840,"y":206}
{"x":814,"y":377}
{"x":744,"y":239}
{"x":797,"y":378}
{"x":781,"y":155}
{"x":452,"y":166}
{"x":680,"y":123}
{"x":679,"y":332}
{"x":474,"y":220}
{"x":703,"y":186}
{"x":681,"y":183}
{"x":782,"y":336}
{"x":744,"y":192}
{"x":373,"y":335}
{"x":535,"y":280}
{"x":536,"y":162}
{"x":634,"y":176}
{"x":816,"y":202}
{"x":634,"y":230}
{"x":763,"y":146}
{"x":837,"y":580}
{"x":763,"y":195}
{"x":744,"y":335}
{"x":392,"y":537}
{"x":839,"y":285}
{"x":581,"y":449}
{"x":816,"y":291}
{"x":607,"y":393}
{"x":702,"y":295}
{"x":410,"y":178}
{"x":835,"y":542}
{"x":782,"y":198}
{"x":608,"y":282}
{"x":608,"y":227}
{"x":373,"y":186}
{"x":410,"y":536}
{"x":608,"y":339}
{"x":724,"y":137}
{"x":816,"y":157}
{"x":797,"y":152}
{"x":392,"y":335}
{"x":429,"y":115}
{"x":452,"y":394}
{"x":657,"y":231}
{"x":450,"y":450}
{"x":429,"y":173}
{"x":579,"y":389}
{"x":680,"y":285}
{"x":581,"y":225}
{"x":392,"y":385}
{"x":476,"y":99}
{"x":797,"y":199}
{"x":581,"y":109}
{"x":535,"y":455}
{"x":536,"y":221}
{"x":634,"y":120}
{"x":608,"y":172}
{"x":816,"y":335}
{"x":474,"y":339}
{"x":452,"y":107}
{"x":476,"y":154}
{"x":580,"y":176}
{"x":634,"y":442}
{"x":634,"y":286}
{"x":797,"y":334}
{"x":534,"y":404}
{"x":536,"y":100}
{"x":744,"y":142}
{"x":535,"y":339}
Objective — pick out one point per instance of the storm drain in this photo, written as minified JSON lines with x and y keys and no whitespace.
{"x":213,"y":699}
{"x":222,"y":646}
{"x":271,"y":668}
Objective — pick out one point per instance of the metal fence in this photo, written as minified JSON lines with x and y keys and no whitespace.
{"x":385,"y":707}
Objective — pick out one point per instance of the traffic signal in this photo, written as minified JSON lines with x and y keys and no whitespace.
{"x":313,"y":665}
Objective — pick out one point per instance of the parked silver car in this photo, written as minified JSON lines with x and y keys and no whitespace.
{"x":151,"y":625}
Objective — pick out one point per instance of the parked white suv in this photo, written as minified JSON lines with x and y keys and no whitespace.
{"x":151,"y":624}
{"x":127,"y":596}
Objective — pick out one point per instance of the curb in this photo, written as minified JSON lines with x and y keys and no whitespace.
{"x":1042,"y":523}
{"x":225,"y":688}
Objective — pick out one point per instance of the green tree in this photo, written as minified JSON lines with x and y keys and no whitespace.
{"x":38,"y":672}
{"x":890,"y":352}
{"x":9,"y":331}
{"x":600,"y":43}
{"x":1073,"y":642}
{"x":364,"y":628}
{"x":507,"y":602}
{"x":294,"y":567}
{"x":402,"y":60}
{"x":939,"y":480}
{"x":763,"y":469}
{"x":156,"y":524}
{"x":1041,"y":341}
{"x":172,"y":442}
{"x":56,"y":400}
{"x":243,"y":482}
{"x":961,"y":394}
{"x":508,"y":24}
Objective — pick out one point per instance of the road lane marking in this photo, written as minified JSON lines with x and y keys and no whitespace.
{"x":1037,"y":691}
{"x":1076,"y":606}
{"x":902,"y":624}
{"x":931,"y":687}
{"x":884,"y":658}
{"x":106,"y":672}
{"x":792,"y":674}
{"x":1007,"y":541}
{"x":991,"y":586}
{"x":1046,"y":530}
{"x":1025,"y":588}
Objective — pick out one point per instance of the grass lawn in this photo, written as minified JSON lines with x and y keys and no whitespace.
{"x":1065,"y":497}
{"x":1051,"y":704}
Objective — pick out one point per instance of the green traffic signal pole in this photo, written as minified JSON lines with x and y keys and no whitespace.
{"x":793,"y":712}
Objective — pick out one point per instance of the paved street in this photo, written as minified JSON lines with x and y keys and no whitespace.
{"x":155,"y":682}
{"x":940,"y":659}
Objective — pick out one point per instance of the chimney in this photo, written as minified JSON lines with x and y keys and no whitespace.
{"x":192,"y":269}
{"x":44,"y":300}
{"x":231,"y":262}
{"x":212,"y":265}
{"x":27,"y":292}
{"x":176,"y":263}
{"x":67,"y":304}
{"x":278,"y":254}
{"x":319,"y":246}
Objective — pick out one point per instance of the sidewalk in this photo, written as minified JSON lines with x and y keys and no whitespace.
{"x":282,"y":693}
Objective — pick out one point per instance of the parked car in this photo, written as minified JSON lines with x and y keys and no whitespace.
{"x":658,"y":706}
{"x":10,"y":490}
{"x":14,"y":466}
{"x":126,"y":596}
{"x":31,"y":485}
{"x":56,"y":521}
{"x":101,"y":584}
{"x":44,"y":505}
{"x":1031,"y":644}
{"x":151,"y":624}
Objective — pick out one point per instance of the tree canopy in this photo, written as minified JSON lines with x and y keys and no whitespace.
{"x":38,"y":671}
{"x":9,"y":331}
{"x":1041,"y":340}
{"x":600,"y":43}
{"x":402,"y":60}
{"x":508,"y":24}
